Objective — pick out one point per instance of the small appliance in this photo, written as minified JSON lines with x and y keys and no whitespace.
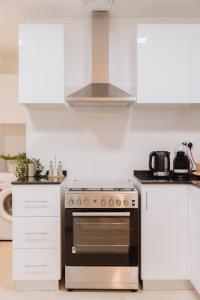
{"x":160,"y":167}
{"x":181,"y":166}
{"x":6,"y":205}
{"x":101,"y":236}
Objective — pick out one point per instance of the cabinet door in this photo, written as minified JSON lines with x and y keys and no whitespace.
{"x":194,"y":231}
{"x":195,"y":78}
{"x":36,"y":201}
{"x":36,"y":264}
{"x":36,"y":232}
{"x":164,"y":62}
{"x":41,"y":63}
{"x":164,"y":233}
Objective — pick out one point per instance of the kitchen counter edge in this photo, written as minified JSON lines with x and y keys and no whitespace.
{"x":142,"y":177}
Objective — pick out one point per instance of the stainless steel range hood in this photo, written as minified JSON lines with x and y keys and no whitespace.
{"x":100,"y":92}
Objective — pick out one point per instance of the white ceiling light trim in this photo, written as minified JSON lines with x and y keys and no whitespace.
{"x":98,"y":4}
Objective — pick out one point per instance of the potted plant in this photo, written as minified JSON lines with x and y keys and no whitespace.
{"x":28,"y":167}
{"x":11,"y":161}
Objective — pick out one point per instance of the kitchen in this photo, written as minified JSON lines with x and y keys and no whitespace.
{"x":107,"y":142}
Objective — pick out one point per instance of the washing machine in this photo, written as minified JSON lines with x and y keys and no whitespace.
{"x":6,"y":205}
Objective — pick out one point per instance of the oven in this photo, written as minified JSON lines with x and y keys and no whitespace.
{"x":101,"y":240}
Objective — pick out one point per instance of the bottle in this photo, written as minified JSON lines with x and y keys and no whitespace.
{"x":51,"y":170}
{"x":60,"y":170}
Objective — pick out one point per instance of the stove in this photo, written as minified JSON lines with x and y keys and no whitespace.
{"x":109,"y":194}
{"x":101,"y":235}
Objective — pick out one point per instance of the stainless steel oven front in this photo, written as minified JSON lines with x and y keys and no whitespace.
{"x":101,"y":240}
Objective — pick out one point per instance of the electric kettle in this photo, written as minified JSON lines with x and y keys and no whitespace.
{"x":159,"y":163}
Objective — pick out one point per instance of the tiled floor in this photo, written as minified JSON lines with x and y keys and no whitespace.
{"x":7,"y":288}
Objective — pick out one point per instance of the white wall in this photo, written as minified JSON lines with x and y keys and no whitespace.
{"x":106,"y":142}
{"x":1,"y":147}
{"x":1,"y":63}
{"x":12,"y":139}
{"x":8,"y":65}
{"x":11,"y":111}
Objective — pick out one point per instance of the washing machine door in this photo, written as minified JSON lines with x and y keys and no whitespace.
{"x":6,"y":204}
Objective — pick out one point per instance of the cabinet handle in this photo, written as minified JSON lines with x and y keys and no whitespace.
{"x":36,"y":201}
{"x":146,"y":200}
{"x":35,"y":266}
{"x":35,"y":233}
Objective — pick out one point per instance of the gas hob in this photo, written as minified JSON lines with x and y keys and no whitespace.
{"x":102,"y":194}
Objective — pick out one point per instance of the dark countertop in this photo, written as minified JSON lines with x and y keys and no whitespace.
{"x":146,"y":177}
{"x":38,"y":181}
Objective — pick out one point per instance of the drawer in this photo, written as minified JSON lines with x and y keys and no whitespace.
{"x":36,"y":232}
{"x":36,"y":201}
{"x":36,"y":264}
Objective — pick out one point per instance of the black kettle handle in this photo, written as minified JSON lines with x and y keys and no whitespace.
{"x":151,"y":155}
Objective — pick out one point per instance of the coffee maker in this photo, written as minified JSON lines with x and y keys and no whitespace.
{"x":159,"y":163}
{"x":181,"y":166}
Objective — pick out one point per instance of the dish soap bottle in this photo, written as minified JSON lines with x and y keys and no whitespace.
{"x":60,"y":170}
{"x":51,"y":170}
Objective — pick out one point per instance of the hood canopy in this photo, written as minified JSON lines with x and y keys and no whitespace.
{"x":100,"y":92}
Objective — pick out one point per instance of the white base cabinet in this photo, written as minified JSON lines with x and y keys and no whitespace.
{"x":36,"y":264}
{"x":37,"y":235}
{"x":194,"y":240}
{"x":164,"y":240}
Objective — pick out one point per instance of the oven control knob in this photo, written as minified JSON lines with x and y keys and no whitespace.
{"x":111,"y":202}
{"x":78,"y":202}
{"x":71,"y":202}
{"x":86,"y":202}
{"x":118,"y":202}
{"x":126,"y":202}
{"x":103,"y":202}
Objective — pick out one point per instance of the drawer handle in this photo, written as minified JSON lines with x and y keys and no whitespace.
{"x":35,"y":266}
{"x":36,"y":272}
{"x":36,"y":201}
{"x":35,"y":233}
{"x":38,"y":206}
{"x":35,"y":239}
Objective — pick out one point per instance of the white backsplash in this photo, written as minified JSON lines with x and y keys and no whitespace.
{"x":108,"y":143}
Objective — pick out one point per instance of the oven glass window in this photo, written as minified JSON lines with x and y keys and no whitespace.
{"x":101,"y":234}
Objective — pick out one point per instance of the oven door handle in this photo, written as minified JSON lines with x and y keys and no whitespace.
{"x":101,"y":214}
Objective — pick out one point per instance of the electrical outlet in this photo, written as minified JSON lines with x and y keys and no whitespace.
{"x":190,"y":145}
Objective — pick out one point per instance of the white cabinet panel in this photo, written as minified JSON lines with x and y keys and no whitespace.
{"x":41,"y":63}
{"x":36,"y":264}
{"x":194,"y":231}
{"x":164,"y":233}
{"x":42,"y":232}
{"x":195,"y":77}
{"x":36,"y":201}
{"x":164,"y":62}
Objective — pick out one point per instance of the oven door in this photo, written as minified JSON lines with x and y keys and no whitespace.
{"x":101,"y":237}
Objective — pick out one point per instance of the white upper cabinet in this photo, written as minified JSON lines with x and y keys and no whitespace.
{"x":163,"y":63}
{"x":164,"y":254}
{"x":41,"y":63}
{"x":195,"y":77}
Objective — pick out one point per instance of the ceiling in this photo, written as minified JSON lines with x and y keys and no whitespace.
{"x":14,"y":12}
